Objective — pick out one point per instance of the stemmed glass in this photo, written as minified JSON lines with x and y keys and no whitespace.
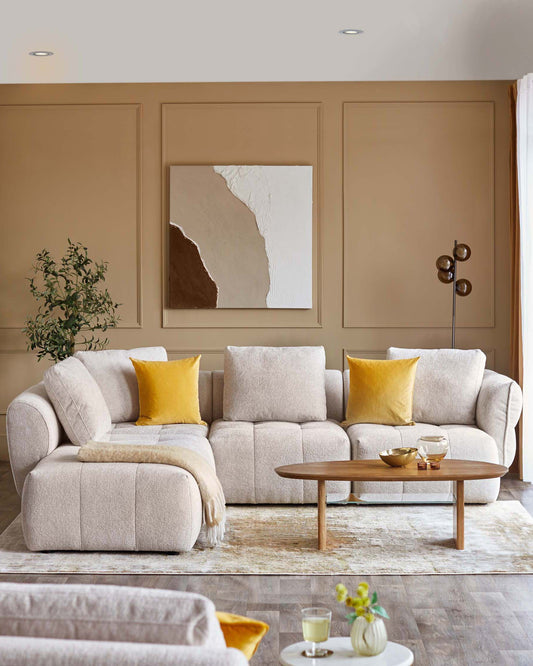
{"x":316,"y":623}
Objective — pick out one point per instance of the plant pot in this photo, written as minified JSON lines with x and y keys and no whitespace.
{"x":368,"y":638}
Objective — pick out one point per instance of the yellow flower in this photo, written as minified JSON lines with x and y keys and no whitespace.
{"x":349,"y":601}
{"x":342,"y":592}
{"x":359,"y":612}
{"x":357,"y":602}
{"x":366,"y":601}
{"x":362,"y":590}
{"x":369,"y":617}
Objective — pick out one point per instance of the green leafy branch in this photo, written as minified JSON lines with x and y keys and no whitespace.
{"x":73,"y":304}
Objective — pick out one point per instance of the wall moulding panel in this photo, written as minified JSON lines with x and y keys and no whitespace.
{"x":417,"y":175}
{"x":70,"y":171}
{"x":264,"y":133}
{"x":212,"y":359}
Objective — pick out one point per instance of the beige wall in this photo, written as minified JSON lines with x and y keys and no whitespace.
{"x":401,"y":169}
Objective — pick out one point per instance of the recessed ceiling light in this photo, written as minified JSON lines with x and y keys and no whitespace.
{"x":351,"y":31}
{"x":41,"y":54}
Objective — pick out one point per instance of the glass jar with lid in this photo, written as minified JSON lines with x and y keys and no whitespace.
{"x":432,"y":449}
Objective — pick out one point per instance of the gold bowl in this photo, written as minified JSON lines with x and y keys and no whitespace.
{"x":398,"y":457}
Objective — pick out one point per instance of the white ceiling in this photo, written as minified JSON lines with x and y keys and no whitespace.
{"x":267,"y":40}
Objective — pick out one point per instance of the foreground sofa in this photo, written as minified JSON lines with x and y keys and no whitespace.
{"x":69,"y":505}
{"x":82,"y":625}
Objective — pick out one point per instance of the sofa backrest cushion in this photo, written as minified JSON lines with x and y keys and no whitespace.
{"x":275,"y":384}
{"x":77,"y":400}
{"x":212,"y":395}
{"x":447,"y":384}
{"x":114,"y":374}
{"x":108,"y":613}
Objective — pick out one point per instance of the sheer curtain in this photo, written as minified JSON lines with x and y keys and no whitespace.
{"x":524,"y":156}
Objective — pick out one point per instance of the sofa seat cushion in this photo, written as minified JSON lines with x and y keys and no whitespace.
{"x":247,"y":454}
{"x":465,"y":442}
{"x":189,"y":435}
{"x":72,"y":505}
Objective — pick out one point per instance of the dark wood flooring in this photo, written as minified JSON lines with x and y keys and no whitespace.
{"x":445,"y":620}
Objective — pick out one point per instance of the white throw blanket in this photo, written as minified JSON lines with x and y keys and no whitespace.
{"x":214,"y":503}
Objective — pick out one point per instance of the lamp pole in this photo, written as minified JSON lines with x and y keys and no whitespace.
{"x":454,"y":294}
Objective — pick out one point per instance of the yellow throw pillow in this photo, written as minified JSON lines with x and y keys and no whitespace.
{"x":381,"y":391}
{"x":242,"y":633}
{"x":168,"y":391}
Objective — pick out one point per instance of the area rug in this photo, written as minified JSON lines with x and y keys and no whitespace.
{"x":371,"y":540}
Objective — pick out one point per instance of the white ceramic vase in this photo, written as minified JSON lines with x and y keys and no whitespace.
{"x":368,"y":638}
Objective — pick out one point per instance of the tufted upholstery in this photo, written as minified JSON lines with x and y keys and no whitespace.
{"x":247,"y":454}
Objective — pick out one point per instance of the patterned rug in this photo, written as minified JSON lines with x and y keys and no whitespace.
{"x":371,"y":540}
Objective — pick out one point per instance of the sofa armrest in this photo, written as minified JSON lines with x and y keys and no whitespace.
{"x":33,"y":431}
{"x":109,"y":613}
{"x":24,"y":650}
{"x":499,"y":406}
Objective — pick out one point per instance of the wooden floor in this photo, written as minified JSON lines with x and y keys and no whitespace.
{"x":445,"y":620}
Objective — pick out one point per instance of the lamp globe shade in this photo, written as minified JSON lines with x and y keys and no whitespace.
{"x":462,"y":252}
{"x":445,"y":276}
{"x":444,"y":263}
{"x":463,"y":287}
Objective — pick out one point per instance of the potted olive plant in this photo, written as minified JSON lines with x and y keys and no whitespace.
{"x":73,"y":304}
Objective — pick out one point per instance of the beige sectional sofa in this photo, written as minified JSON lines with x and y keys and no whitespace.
{"x":83,"y":625}
{"x":70,"y":505}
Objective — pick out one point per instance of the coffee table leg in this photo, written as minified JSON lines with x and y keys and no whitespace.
{"x":322,"y":528}
{"x":459,"y":515}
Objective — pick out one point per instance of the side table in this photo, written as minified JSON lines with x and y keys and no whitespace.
{"x":393,"y":655}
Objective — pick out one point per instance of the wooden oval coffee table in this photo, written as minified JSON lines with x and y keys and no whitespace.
{"x":457,"y":471}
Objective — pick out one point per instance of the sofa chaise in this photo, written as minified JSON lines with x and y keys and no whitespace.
{"x":70,"y":505}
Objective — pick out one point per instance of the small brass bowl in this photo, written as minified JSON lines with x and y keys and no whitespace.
{"x":398,"y":457}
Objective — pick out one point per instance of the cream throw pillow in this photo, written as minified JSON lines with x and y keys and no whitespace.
{"x":275,"y":384}
{"x":78,"y":401}
{"x":447,"y":384}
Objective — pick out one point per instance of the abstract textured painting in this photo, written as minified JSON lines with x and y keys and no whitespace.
{"x":241,"y":237}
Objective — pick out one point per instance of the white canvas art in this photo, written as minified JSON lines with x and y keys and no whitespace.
{"x":241,"y":237}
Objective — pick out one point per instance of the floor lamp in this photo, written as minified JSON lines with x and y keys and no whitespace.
{"x":447,"y":273}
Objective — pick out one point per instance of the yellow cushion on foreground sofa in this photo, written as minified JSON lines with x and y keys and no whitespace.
{"x":381,"y":391}
{"x":242,"y":633}
{"x":168,"y":391}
